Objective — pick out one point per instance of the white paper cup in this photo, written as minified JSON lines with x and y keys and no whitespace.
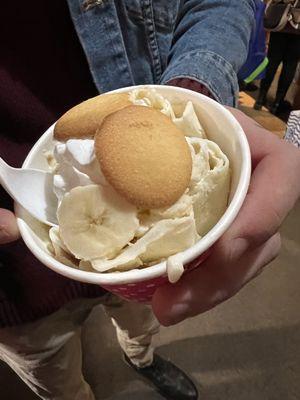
{"x":140,"y":284}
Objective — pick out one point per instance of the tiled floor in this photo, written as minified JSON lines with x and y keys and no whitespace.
{"x":246,"y":349}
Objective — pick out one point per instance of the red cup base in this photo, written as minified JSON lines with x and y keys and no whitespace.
{"x":143,"y":291}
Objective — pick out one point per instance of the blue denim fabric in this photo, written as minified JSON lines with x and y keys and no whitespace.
{"x":132,"y":42}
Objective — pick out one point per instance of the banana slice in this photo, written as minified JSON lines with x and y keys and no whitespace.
{"x":59,"y":249}
{"x":95,"y":222}
{"x":165,"y":238}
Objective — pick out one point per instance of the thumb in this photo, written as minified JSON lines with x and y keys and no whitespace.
{"x":8,"y":227}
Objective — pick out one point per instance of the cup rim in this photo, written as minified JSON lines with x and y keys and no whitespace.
{"x":157,"y":270}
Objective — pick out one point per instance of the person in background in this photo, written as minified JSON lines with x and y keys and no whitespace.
{"x":256,"y":62}
{"x":292,"y":134}
{"x":284,"y":47}
{"x":55,"y":54}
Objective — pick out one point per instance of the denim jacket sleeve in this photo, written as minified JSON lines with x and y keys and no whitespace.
{"x":210,"y":44}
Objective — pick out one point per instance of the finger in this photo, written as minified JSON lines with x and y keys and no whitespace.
{"x":274,"y":187}
{"x":219,"y":278}
{"x":266,"y":205}
{"x":8,"y":227}
{"x":273,"y":191}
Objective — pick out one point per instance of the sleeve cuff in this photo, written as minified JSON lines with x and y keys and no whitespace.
{"x":191,"y":84}
{"x":208,"y":69}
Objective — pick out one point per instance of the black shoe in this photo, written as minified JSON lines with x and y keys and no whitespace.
{"x":168,"y":379}
{"x":275,"y":108}
{"x":281,"y":107}
{"x":261,"y":100}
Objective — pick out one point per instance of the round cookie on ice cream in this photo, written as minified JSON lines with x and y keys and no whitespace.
{"x":82,"y":121}
{"x":144,"y":156}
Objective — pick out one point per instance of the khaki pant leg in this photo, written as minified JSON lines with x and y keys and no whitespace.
{"x":135,"y":324}
{"x":47,"y":354}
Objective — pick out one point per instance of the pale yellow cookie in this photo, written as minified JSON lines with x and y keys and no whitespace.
{"x":82,"y":121}
{"x":144,"y":156}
